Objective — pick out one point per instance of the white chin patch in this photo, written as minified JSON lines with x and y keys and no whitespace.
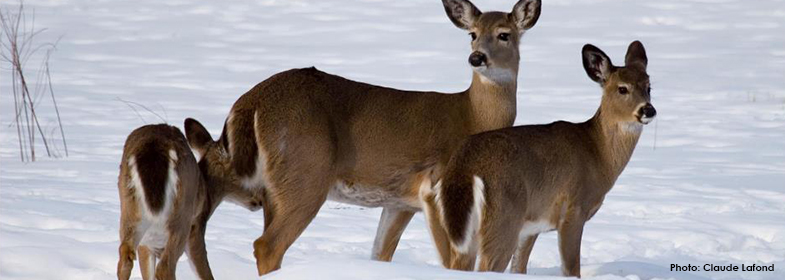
{"x":645,"y":120}
{"x":494,"y":75}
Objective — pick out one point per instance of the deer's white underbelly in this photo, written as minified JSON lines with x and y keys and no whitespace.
{"x":369,"y":196}
{"x":535,"y":227}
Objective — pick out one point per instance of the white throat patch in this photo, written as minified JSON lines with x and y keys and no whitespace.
{"x":631,"y":127}
{"x":494,"y":75}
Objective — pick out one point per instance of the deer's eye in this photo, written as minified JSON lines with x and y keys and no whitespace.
{"x":474,"y":35}
{"x":623,"y":90}
{"x":504,"y":36}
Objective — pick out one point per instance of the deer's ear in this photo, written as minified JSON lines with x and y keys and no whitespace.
{"x":462,"y":13}
{"x":525,"y":13}
{"x":198,"y":136}
{"x":636,"y":55}
{"x":596,"y":63}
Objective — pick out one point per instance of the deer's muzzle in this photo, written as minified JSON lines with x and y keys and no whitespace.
{"x":646,"y":113}
{"x":477,"y":59}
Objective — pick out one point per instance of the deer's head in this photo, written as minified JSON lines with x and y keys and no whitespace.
{"x":495,"y":35}
{"x":626,"y":90}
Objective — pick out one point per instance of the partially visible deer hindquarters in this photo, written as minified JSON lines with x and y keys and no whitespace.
{"x":161,"y":196}
{"x":504,"y":187}
{"x":430,"y":207}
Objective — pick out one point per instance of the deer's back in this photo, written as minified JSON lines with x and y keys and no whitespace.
{"x":380,"y":135}
{"x":532,"y":164}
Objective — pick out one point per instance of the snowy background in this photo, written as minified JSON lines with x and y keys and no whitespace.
{"x":705,"y":185}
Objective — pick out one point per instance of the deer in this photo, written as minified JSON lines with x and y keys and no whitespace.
{"x":165,"y":203}
{"x":304,"y":136}
{"x":504,"y":187}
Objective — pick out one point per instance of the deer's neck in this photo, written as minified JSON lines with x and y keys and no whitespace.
{"x":492,"y":103}
{"x":615,"y":142}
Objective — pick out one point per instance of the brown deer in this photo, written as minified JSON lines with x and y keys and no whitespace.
{"x":165,"y":203}
{"x":303,"y":136}
{"x":504,"y":187}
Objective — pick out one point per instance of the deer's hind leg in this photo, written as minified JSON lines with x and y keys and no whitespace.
{"x":129,"y":219}
{"x":174,"y":248}
{"x":299,"y":173}
{"x":294,"y":204}
{"x":127,"y":252}
{"x":179,"y":225}
{"x":440,"y":240}
{"x":434,"y":220}
{"x":464,"y":260}
{"x":498,"y":240}
{"x":146,"y":262}
{"x":196,"y":248}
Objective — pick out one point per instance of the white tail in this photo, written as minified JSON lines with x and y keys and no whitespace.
{"x":170,"y":189}
{"x":161,"y":194}
{"x":474,"y":215}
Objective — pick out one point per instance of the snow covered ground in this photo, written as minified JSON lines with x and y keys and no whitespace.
{"x":706,"y":184}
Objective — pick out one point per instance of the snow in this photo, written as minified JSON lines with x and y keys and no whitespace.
{"x":705,"y":185}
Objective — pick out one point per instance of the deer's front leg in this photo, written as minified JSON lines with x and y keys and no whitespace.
{"x":388,"y":234}
{"x":570,"y":234}
{"x":520,"y":261}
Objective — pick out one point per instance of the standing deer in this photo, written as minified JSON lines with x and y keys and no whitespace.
{"x":165,"y":202}
{"x":504,"y":187}
{"x":303,"y":136}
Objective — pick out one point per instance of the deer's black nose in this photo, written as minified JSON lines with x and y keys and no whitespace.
{"x":648,"y":111}
{"x":477,"y":59}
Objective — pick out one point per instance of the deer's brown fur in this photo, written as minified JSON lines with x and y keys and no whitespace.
{"x":303,"y":136}
{"x":166,"y":203}
{"x":159,"y":186}
{"x":520,"y":181}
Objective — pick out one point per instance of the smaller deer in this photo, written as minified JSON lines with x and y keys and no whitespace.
{"x":504,"y":187}
{"x":166,"y":202}
{"x":159,"y":186}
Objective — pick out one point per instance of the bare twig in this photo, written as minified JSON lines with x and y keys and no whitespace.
{"x":129,"y":103}
{"x":16,"y":121}
{"x":57,"y":111}
{"x":33,"y":116}
{"x":133,"y":108}
{"x":166,"y":115}
{"x":16,"y":48}
{"x":655,"y":135}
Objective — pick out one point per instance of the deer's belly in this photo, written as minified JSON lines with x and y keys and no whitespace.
{"x":370,"y":196}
